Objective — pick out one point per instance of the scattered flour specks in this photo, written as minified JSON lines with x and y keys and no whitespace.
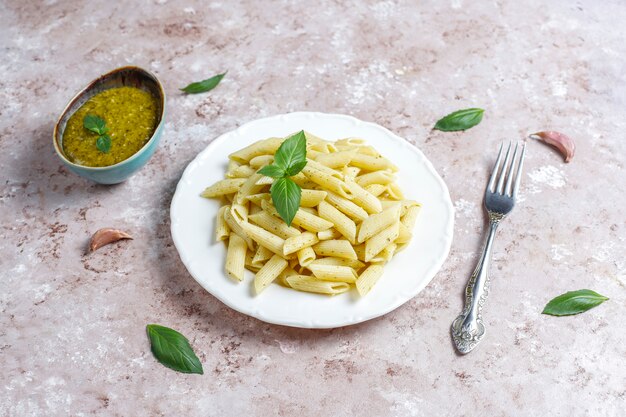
{"x":559,"y":251}
{"x":604,"y":252}
{"x":287,"y":347}
{"x":464,"y":207}
{"x":383,"y":10}
{"x":403,"y":403}
{"x":559,"y":88}
{"x":548,"y":175}
{"x":456,"y":4}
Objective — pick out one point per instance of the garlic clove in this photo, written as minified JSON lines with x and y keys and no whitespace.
{"x":105,"y":236}
{"x":562,"y":142}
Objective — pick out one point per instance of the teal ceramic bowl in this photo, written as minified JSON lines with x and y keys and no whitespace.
{"x":120,"y":77}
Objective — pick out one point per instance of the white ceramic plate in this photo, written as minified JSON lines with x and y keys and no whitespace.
{"x":193,"y":225}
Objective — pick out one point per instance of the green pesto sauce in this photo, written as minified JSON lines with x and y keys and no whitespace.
{"x":131,"y":117}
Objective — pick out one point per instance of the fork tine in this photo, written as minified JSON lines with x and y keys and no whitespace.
{"x":518,"y":175}
{"x":492,"y":179}
{"x":509,"y":174}
{"x":500,"y":188}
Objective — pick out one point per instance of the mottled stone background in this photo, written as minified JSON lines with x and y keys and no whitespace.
{"x":72,"y":339}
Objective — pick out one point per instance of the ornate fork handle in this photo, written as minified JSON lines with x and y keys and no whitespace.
{"x":468,"y":328}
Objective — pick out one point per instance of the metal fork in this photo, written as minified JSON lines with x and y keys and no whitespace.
{"x":468,"y":328}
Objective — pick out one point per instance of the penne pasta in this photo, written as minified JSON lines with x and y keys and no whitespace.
{"x":295,"y":243}
{"x":335,"y":248}
{"x":337,"y":273}
{"x":377,"y":243}
{"x":235,"y":257}
{"x":269,"y":272}
{"x":311,"y":198}
{"x":223,"y":187}
{"x":222,"y":232}
{"x":352,"y":218}
{"x":341,"y":222}
{"x":310,"y":284}
{"x":377,"y":222}
{"x":368,"y":278}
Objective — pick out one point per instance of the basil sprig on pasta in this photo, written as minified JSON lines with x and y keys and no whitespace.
{"x":289,"y":160}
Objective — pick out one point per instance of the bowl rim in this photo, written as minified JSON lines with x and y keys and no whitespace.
{"x":82,"y":91}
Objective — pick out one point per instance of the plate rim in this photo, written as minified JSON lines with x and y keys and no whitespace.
{"x":400,"y":299}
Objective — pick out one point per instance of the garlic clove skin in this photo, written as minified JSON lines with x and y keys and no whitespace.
{"x":105,"y":236}
{"x":562,"y":142}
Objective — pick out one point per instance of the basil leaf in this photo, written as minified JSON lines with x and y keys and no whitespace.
{"x":172,"y":349}
{"x":286,"y":196}
{"x":95,"y":124}
{"x":272,"y":170}
{"x":460,"y":120}
{"x":295,"y":168}
{"x":573,"y":302}
{"x":291,"y":153}
{"x":204,"y":85}
{"x":103,"y":143}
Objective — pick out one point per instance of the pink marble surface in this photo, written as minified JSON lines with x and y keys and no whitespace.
{"x":72,"y":340}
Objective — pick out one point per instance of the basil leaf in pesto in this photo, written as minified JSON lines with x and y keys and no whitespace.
{"x":173,"y":350}
{"x":460,"y":120}
{"x":103,"y":143}
{"x":95,"y":124}
{"x":204,"y":85}
{"x":573,"y":302}
{"x":291,"y":155}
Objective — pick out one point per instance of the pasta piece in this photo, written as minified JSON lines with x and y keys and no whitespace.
{"x":335,"y":273}
{"x":368,"y":150}
{"x":222,"y":232}
{"x":240,"y":211}
{"x":310,"y":284}
{"x":303,"y":181}
{"x":336,"y":248}
{"x":329,"y":260}
{"x":362,"y":198}
{"x":236,"y":227}
{"x":236,"y":257}
{"x":248,"y":187}
{"x":371,"y":163}
{"x":404,"y":235}
{"x":263,"y":147}
{"x":411,"y":215}
{"x":269,"y":272}
{"x":336,"y":159}
{"x":327,"y":181}
{"x":360,"y":251}
{"x":264,"y":238}
{"x":376,"y":177}
{"x":350,"y":172}
{"x":243,"y":171}
{"x":265,"y":181}
{"x":311,"y":198}
{"x":307,"y":221}
{"x":323,"y":168}
{"x":295,"y":243}
{"x":342,"y":223}
{"x":261,"y":256}
{"x":377,"y":243}
{"x":257,"y":198}
{"x":254,"y":209}
{"x":352,"y":142}
{"x":368,"y":278}
{"x":223,"y":187}
{"x":377,"y":222}
{"x":385,"y":255}
{"x":406,"y":204}
{"x":347,"y":207}
{"x":281,"y":279}
{"x":306,"y":256}
{"x":329,"y":234}
{"x":260,"y":161}
{"x":394,"y":191}
{"x":232,"y":165}
{"x":376,"y":190}
{"x":273,"y":225}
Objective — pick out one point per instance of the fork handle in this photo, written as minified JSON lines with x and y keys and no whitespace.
{"x":468,"y":329}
